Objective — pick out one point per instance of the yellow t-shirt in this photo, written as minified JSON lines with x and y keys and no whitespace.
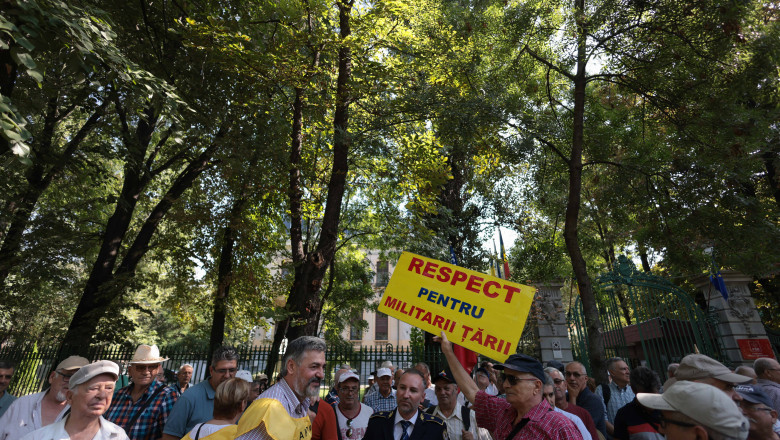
{"x":278,"y":423}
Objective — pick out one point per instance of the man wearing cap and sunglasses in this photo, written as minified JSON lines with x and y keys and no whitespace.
{"x":142,"y":408}
{"x":89,"y":395}
{"x":525,"y":414}
{"x":757,"y":407}
{"x":351,"y":415}
{"x":35,"y":411}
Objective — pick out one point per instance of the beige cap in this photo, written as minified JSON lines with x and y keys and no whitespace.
{"x":72,"y":363}
{"x":707,"y":405}
{"x":699,"y":366}
{"x":94,"y":369}
{"x":147,"y":354}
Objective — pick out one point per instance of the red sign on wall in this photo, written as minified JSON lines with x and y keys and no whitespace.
{"x":752,"y":349}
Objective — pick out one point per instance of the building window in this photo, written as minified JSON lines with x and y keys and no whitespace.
{"x":380,"y":327}
{"x":355,"y":333}
{"x":382,"y":273}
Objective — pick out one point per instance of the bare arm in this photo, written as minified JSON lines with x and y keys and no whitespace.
{"x":467,"y":386}
{"x":169,"y":437}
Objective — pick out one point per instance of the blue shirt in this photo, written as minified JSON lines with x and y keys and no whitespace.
{"x":378,"y":402}
{"x":196,"y":405}
{"x":5,"y":402}
{"x":618,"y":398}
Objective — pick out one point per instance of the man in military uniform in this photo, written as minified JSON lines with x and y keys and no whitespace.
{"x":406,"y":422}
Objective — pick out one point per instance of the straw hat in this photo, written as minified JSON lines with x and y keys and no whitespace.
{"x":145,"y":355}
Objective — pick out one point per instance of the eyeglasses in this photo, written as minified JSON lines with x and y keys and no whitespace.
{"x":557,"y":381}
{"x":146,"y":367}
{"x":349,"y":428}
{"x":574,"y":373}
{"x":349,"y":390}
{"x":514,"y":380}
{"x":753,"y":408}
{"x":665,"y":421}
{"x":226,"y":370}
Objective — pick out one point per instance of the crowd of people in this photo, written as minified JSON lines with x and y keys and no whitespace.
{"x":514,"y":400}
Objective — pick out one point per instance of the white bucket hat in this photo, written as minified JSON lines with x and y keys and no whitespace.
{"x":145,"y":355}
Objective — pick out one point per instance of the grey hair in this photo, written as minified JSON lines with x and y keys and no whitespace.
{"x":185,"y":365}
{"x":424,"y":367}
{"x":611,"y":361}
{"x":298,"y":347}
{"x":548,"y":380}
{"x":549,"y":370}
{"x":224,"y":353}
{"x":761,"y":365}
{"x":7,"y":365}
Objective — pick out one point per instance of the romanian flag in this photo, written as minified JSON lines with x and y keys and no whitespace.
{"x":492,"y":266}
{"x":495,"y":257}
{"x":466,"y":357}
{"x":503,"y":255}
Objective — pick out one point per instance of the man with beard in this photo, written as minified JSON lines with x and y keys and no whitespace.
{"x":351,"y":415}
{"x":37,"y":410}
{"x":406,"y":422}
{"x":281,"y":412}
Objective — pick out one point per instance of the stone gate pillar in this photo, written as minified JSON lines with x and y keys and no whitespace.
{"x":551,"y":319}
{"x":742,"y":333}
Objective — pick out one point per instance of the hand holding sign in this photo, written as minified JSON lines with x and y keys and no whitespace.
{"x":477,"y":311}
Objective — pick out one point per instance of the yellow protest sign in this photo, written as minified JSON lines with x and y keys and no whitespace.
{"x":477,"y":311}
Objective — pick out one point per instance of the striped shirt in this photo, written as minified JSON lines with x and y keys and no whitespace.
{"x":282,"y":392}
{"x":149,"y":425}
{"x":378,"y":402}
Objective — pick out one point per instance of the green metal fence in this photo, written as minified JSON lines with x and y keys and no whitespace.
{"x":34,"y":364}
{"x":646,"y":320}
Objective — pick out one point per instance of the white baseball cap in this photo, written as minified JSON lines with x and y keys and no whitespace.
{"x":382,"y":372}
{"x":707,"y":405}
{"x":244,"y":374}
{"x":348,"y":375}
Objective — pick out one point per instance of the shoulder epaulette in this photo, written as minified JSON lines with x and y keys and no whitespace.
{"x":425,"y":417}
{"x":382,"y":414}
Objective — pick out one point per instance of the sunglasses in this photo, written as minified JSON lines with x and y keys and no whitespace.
{"x":349,"y":428}
{"x":514,"y":380}
{"x":140,"y":367}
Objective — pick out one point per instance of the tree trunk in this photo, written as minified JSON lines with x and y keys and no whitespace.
{"x":591,"y":313}
{"x":225,"y":274}
{"x":304,"y":303}
{"x":771,"y":158}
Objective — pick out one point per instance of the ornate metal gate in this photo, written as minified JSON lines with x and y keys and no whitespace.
{"x":646,"y":319}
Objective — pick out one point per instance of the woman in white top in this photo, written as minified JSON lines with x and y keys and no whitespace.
{"x":230,"y":401}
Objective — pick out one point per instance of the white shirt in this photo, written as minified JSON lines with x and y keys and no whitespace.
{"x":430,"y":395}
{"x":207,"y":429}
{"x":24,"y":415}
{"x":56,"y":431}
{"x":455,"y":424}
{"x":359,"y":423}
{"x":577,"y":422}
{"x":398,"y":430}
